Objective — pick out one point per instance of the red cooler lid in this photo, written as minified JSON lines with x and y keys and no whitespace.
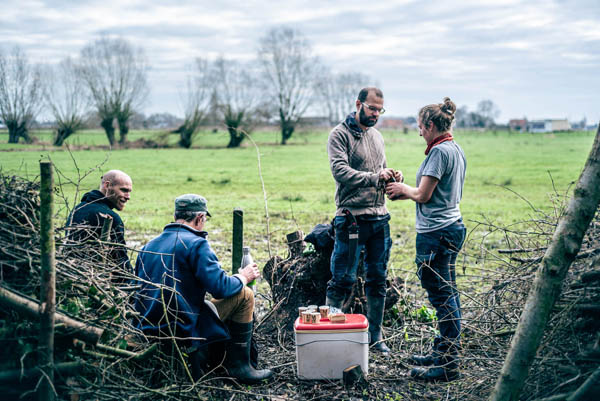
{"x":353,"y":322}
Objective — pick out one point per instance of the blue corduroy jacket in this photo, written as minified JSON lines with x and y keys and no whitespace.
{"x":183,"y":265}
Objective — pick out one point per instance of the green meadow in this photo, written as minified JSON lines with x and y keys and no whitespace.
{"x":503,"y":169}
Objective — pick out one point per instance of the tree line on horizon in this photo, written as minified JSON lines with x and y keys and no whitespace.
{"x":109,"y":77}
{"x":109,"y":81}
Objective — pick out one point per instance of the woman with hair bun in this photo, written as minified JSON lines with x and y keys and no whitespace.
{"x":440,"y":235}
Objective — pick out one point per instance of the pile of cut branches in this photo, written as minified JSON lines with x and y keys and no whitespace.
{"x":97,"y":350}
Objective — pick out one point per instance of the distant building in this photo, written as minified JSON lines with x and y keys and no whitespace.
{"x":560,"y":125}
{"x":317,"y":121}
{"x":395,"y":123}
{"x":519,"y":125}
{"x":548,"y":125}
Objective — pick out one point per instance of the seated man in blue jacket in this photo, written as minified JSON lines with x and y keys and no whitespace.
{"x":180,"y":267}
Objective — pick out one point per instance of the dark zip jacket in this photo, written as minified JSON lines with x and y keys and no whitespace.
{"x":90,"y":215}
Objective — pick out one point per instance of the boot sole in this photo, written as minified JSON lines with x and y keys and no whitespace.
{"x":447,"y":377}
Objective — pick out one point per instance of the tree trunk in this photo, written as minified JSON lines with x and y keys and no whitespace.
{"x":123,"y":130}
{"x":287,"y":128}
{"x":12,"y":136}
{"x":187,"y":132}
{"x":233,"y":121}
{"x":47,"y":285}
{"x":62,"y":133}
{"x":563,"y":249}
{"x":235,"y":137}
{"x":17,"y":130}
{"x":107,"y":124}
{"x":185,"y":137}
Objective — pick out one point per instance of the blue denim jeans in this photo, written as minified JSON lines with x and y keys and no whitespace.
{"x":436,"y":260}
{"x":374,"y":238}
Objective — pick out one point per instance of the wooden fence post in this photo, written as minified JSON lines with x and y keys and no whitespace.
{"x":237,"y":240}
{"x":106,"y":227}
{"x":47,"y":285}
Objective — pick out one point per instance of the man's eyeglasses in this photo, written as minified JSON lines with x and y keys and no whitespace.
{"x":374,"y":109}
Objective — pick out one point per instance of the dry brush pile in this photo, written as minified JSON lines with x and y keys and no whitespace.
{"x":494,"y":284}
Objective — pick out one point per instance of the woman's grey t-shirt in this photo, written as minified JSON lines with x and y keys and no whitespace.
{"x":447,"y":163}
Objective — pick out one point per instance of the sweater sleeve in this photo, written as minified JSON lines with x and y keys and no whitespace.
{"x":337,"y":149}
{"x":209,"y":273}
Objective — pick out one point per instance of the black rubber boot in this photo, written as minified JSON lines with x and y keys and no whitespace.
{"x":429,"y":359}
{"x":333,"y":303}
{"x":375,"y":306}
{"x":199,"y":361}
{"x":422,"y":360}
{"x":237,"y":358}
{"x":444,"y":369}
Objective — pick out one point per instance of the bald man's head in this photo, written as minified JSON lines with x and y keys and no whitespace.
{"x":116,"y":187}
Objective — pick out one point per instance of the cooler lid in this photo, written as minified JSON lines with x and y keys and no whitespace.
{"x":353,"y":322}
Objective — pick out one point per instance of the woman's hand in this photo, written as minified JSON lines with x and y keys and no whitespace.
{"x":396,"y":190}
{"x":398,"y":176}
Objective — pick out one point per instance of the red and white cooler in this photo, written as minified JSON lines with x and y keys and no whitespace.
{"x":325,"y":349}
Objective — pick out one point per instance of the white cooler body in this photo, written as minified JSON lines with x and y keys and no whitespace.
{"x":325,"y":354}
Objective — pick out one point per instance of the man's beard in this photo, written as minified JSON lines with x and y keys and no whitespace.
{"x":364,"y":120}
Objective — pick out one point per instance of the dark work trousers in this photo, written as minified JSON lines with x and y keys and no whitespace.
{"x":436,"y":260}
{"x":374,"y":238}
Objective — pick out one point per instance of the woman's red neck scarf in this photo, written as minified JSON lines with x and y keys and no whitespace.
{"x":442,"y":138}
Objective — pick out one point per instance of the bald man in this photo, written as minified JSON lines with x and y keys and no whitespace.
{"x":96,"y":206}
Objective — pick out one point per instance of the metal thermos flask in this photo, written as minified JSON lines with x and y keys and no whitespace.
{"x":246,"y":260}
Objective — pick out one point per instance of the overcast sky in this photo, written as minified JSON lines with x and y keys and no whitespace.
{"x":539,"y":59}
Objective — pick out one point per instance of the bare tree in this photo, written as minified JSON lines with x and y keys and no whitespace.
{"x":238,"y":95}
{"x":489,"y":111}
{"x":289,"y":68}
{"x":66,"y":97}
{"x":20,"y":93}
{"x":339,"y":92}
{"x":115,"y":74}
{"x":197,"y":100}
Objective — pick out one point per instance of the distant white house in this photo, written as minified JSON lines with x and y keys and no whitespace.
{"x":548,"y":125}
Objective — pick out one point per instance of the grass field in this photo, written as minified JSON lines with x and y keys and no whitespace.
{"x":297,"y":180}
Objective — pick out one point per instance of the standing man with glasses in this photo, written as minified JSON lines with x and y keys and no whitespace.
{"x":357,"y":160}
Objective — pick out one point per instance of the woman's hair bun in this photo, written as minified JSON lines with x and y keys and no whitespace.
{"x":448,"y":106}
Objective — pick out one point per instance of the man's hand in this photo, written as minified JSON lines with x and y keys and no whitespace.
{"x":250,"y":272}
{"x":386,"y":175}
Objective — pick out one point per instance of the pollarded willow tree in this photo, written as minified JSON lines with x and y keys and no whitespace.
{"x":66,"y":97}
{"x":197,"y":101}
{"x":116,"y":76}
{"x":238,"y":96}
{"x":20,"y":93}
{"x":339,"y":91}
{"x":289,"y":67}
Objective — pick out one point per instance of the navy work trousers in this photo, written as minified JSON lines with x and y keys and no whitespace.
{"x":374,"y":238}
